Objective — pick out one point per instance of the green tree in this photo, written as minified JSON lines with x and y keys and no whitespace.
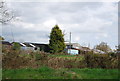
{"x":16,"y":46}
{"x":56,"y":42}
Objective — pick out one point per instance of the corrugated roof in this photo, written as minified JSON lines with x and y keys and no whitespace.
{"x":22,"y":44}
{"x":32,"y":45}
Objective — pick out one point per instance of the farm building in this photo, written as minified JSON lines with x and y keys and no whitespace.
{"x":6,"y":43}
{"x":75,"y":48}
{"x":27,"y":46}
{"x":34,"y":46}
{"x":41,"y":47}
{"x":98,"y":51}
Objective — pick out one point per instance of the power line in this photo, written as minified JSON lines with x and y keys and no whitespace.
{"x":12,"y":35}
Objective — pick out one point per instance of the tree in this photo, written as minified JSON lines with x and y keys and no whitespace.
{"x":1,"y":38}
{"x":6,"y":14}
{"x":16,"y":46}
{"x":56,"y":42}
{"x":103,"y":47}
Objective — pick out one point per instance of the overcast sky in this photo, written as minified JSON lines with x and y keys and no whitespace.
{"x":89,"y":22}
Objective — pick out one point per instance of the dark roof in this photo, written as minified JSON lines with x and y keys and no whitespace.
{"x":6,"y":43}
{"x":38,"y":44}
{"x":23,"y":44}
{"x":27,"y":44}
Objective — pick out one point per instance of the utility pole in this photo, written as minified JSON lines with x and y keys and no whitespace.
{"x":88,"y":45}
{"x":70,"y":43}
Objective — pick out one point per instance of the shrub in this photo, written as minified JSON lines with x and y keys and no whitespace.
{"x":12,"y":60}
{"x":100,"y":61}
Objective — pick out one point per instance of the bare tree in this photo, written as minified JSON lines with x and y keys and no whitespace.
{"x":6,"y":14}
{"x":1,"y":38}
{"x":103,"y":47}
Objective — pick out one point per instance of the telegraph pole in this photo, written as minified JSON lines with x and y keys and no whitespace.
{"x":70,"y":42}
{"x":88,"y":45}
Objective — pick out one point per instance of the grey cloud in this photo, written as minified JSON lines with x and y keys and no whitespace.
{"x":42,"y":11}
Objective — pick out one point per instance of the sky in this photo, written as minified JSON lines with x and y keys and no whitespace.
{"x":89,"y":22}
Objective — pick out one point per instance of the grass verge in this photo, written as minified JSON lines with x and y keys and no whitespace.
{"x":63,"y":73}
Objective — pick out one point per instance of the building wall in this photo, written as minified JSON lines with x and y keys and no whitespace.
{"x":72,"y":51}
{"x":27,"y":48}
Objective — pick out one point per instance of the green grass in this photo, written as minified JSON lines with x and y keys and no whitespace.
{"x":49,"y":73}
{"x":28,"y":73}
{"x":70,"y":57}
{"x":97,"y":73}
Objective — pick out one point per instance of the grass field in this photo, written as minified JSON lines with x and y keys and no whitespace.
{"x":48,"y":73}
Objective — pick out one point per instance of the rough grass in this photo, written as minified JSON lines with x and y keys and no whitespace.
{"x":64,"y":73}
{"x":70,"y":57}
